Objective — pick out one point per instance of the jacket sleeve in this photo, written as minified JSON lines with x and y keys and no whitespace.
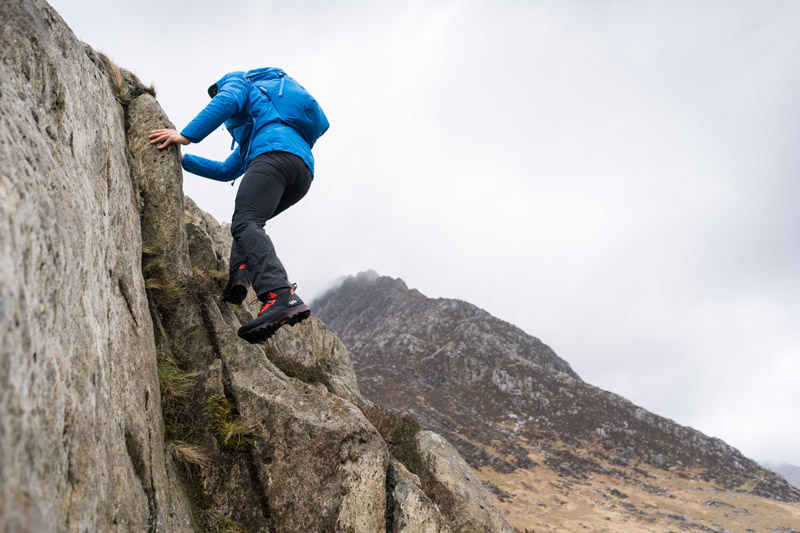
{"x":231,"y":99}
{"x":229,"y":170}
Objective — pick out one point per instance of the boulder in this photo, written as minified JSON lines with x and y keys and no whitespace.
{"x":469,"y":507}
{"x":411,"y":510}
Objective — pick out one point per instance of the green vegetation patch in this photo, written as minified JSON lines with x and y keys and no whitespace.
{"x":293,"y":369}
{"x":214,"y":521}
{"x":176,"y":384}
{"x":233,"y":433}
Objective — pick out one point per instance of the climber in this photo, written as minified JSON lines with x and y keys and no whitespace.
{"x":274,"y":123}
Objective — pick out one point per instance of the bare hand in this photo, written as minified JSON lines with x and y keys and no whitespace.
{"x":167,"y":137}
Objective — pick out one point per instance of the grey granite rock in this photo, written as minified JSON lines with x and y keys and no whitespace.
{"x":311,"y":344}
{"x":413,"y":511}
{"x":471,"y":510}
{"x":81,"y":444}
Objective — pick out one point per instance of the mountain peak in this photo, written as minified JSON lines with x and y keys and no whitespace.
{"x":512,"y":407}
{"x":368,"y":277}
{"x":404,"y":313}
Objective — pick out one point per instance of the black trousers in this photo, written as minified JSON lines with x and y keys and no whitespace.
{"x":273,"y":182}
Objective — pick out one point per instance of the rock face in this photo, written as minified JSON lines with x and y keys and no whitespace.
{"x":81,"y":438}
{"x":127,"y":402}
{"x":413,"y":510}
{"x":473,"y":510}
{"x":495,"y":391}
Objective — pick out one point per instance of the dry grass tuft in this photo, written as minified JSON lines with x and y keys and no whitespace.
{"x":204,"y":282}
{"x":399,"y":433}
{"x":126,"y":85}
{"x":115,"y":74}
{"x":238,"y":433}
{"x":189,"y":455}
{"x":176,"y":384}
{"x":164,"y":290}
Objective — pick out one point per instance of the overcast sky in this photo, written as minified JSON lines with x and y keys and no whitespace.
{"x":617,"y":178}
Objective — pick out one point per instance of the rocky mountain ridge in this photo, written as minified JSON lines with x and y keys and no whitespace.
{"x":790,"y":472}
{"x":509,"y":404}
{"x":127,"y":402}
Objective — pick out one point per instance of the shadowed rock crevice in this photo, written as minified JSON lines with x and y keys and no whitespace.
{"x":391,"y":483}
{"x":136,"y":454}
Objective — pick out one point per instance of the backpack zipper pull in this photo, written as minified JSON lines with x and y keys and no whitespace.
{"x":280,"y":92}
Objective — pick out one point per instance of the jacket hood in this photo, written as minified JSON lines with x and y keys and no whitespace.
{"x":213,"y":89}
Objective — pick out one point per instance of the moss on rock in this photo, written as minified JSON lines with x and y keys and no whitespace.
{"x":294,"y":369}
{"x":233,"y":433}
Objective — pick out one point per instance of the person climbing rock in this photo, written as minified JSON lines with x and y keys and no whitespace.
{"x":274,"y":123}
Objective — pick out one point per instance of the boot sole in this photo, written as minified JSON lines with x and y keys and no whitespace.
{"x":236,"y":295}
{"x":262,"y":332}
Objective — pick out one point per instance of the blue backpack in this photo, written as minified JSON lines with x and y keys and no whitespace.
{"x":293,"y":104}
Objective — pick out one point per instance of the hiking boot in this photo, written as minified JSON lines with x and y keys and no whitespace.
{"x":235,"y":290}
{"x":286,"y":308}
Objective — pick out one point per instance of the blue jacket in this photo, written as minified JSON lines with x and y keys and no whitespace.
{"x":253,"y":124}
